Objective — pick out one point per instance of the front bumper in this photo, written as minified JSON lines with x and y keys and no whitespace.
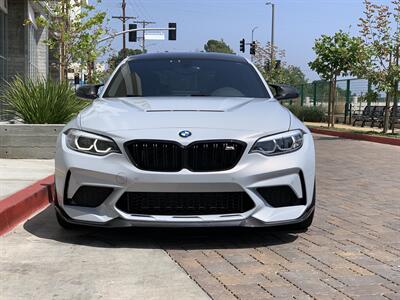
{"x":253,"y":171}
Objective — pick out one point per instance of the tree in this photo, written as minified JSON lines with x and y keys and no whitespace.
{"x":75,"y":28}
{"x":292,"y":75}
{"x":114,"y":60}
{"x":279,"y":71}
{"x":336,"y":55}
{"x":380,"y":30}
{"x":217,"y":46}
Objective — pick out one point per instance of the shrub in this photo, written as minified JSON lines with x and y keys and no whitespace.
{"x":308,"y":113}
{"x":41,"y":101}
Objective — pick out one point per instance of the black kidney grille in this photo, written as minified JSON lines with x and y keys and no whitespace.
{"x":168,"y":156}
{"x":151,"y":203}
{"x":213,"y":156}
{"x":156,"y":156}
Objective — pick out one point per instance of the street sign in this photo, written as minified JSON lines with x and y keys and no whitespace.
{"x":158,"y":36}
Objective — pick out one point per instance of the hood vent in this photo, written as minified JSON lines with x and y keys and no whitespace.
{"x":184,"y":110}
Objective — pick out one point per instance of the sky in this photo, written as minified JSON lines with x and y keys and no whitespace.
{"x":297,"y":23}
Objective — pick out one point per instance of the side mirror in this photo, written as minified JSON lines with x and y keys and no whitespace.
{"x":88,"y":91}
{"x":283,"y":91}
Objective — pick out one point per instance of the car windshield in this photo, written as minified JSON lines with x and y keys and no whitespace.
{"x":186,"y":77}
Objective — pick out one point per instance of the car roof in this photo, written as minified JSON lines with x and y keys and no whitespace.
{"x":188,"y":55}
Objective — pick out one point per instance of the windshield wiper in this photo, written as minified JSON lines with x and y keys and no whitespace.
{"x":199,"y":95}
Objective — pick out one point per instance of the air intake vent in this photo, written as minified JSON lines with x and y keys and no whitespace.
{"x":89,"y":196}
{"x":184,"y":203}
{"x":280,"y":196}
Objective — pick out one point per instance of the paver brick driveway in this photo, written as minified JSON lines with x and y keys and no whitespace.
{"x":352,"y":251}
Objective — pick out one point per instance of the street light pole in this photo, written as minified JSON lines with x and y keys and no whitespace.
{"x":109,"y":37}
{"x":252,"y":39}
{"x":252,"y":33}
{"x":272,"y":30}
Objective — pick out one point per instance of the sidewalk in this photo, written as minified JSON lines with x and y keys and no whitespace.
{"x":16,"y":174}
{"x":98,"y":265}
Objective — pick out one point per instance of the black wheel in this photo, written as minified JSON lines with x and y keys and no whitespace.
{"x":65,"y":224}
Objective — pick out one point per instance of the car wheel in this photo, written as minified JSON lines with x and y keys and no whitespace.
{"x":65,"y":224}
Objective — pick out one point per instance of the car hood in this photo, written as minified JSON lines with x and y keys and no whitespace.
{"x":246,"y":114}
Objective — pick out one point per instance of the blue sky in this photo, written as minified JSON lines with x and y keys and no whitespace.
{"x":298,"y":23}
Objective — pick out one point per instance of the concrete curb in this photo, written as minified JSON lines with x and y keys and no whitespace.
{"x":358,"y":136}
{"x":21,"y":205}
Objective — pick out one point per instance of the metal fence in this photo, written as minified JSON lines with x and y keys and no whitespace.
{"x":351,"y":96}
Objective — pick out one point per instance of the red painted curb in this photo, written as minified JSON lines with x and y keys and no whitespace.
{"x":358,"y":136}
{"x":21,"y":205}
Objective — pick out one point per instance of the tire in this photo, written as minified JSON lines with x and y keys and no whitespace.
{"x":65,"y":224}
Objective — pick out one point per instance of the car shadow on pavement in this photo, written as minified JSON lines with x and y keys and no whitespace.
{"x":45,"y":226}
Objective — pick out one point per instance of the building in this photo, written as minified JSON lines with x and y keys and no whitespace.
{"x":22,"y":48}
{"x":3,"y":39}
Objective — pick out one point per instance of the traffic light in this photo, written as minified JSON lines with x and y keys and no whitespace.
{"x":132,"y":34}
{"x":253,"y":48}
{"x":242,"y":45}
{"x":172,"y":32}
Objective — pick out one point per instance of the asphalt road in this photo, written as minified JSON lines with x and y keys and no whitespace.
{"x":352,"y":251}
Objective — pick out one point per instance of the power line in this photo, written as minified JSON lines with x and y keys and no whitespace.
{"x":123,"y":18}
{"x":134,"y":7}
{"x":144,"y":9}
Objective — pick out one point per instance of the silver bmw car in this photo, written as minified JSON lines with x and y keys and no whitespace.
{"x":185,"y":139}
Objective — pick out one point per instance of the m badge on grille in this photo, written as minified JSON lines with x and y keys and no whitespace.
{"x":230,"y":147}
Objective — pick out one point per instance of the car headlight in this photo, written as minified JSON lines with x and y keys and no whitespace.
{"x":90,"y":143}
{"x":279,"y":144}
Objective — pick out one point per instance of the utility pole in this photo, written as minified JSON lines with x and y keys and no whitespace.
{"x":123,"y":18}
{"x":272,"y":31}
{"x":144,"y":23}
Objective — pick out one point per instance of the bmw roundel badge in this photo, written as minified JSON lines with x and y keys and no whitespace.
{"x":185,"y":133}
